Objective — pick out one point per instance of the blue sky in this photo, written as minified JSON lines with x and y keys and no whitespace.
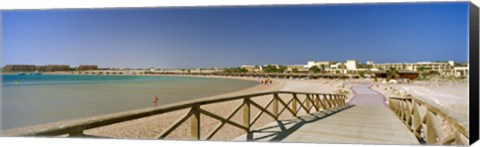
{"x":231,"y":36}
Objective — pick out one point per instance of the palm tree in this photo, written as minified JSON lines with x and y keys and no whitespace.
{"x":424,"y":71}
{"x":323,"y":67}
{"x":392,"y":73}
{"x":343,"y":67}
{"x":361,"y":74}
{"x":314,"y":69}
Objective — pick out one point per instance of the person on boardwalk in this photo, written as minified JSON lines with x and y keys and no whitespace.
{"x":155,"y":100}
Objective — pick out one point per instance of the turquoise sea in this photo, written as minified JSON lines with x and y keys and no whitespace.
{"x":37,"y":99}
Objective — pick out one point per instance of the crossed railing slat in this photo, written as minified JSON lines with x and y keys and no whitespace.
{"x":315,"y":101}
{"x":428,"y":122}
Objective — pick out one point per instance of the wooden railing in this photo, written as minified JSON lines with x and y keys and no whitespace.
{"x":310,"y":102}
{"x":429,"y":123}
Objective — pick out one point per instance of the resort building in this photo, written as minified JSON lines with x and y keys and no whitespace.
{"x":461,"y":71}
{"x":398,"y":66}
{"x":32,"y":68}
{"x":49,"y":68}
{"x":252,"y":68}
{"x":320,"y":64}
{"x":87,"y":67}
{"x":299,"y":67}
{"x":21,"y":68}
{"x":351,"y":65}
{"x":336,"y":68}
{"x":444,"y":68}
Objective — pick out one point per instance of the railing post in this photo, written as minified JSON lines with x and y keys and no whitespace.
{"x":317,"y":102}
{"x":195,"y":123}
{"x":331,"y":101}
{"x":430,"y":134}
{"x":308,"y":103}
{"x":323,"y":102}
{"x":339,"y":100}
{"x":402,"y":110}
{"x":327,"y":101}
{"x":294,"y":105}
{"x":335,"y":100}
{"x":275,"y":105}
{"x":246,"y":113}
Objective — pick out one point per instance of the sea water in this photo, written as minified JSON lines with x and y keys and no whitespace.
{"x":38,"y":99}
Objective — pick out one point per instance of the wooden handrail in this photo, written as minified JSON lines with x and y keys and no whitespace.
{"x":195,"y":110}
{"x":425,"y":123}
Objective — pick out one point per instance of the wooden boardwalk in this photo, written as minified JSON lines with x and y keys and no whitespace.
{"x":366,"y":121}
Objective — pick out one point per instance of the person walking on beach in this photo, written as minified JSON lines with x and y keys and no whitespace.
{"x":155,"y":100}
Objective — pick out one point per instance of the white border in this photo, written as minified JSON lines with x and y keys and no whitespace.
{"x":62,"y":4}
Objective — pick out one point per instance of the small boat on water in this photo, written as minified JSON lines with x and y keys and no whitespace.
{"x":36,"y":73}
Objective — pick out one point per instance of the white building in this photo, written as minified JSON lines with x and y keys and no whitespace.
{"x":252,"y":68}
{"x":398,"y":66}
{"x":461,"y":71}
{"x":352,"y":65}
{"x":319,"y":64}
{"x":299,"y":67}
{"x":444,"y":68}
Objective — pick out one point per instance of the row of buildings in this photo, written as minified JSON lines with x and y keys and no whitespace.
{"x":45,"y":68}
{"x":449,"y":68}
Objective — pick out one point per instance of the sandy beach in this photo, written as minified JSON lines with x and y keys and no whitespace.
{"x":148,"y":127}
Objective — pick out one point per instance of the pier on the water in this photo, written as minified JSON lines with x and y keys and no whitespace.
{"x":368,"y":118}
